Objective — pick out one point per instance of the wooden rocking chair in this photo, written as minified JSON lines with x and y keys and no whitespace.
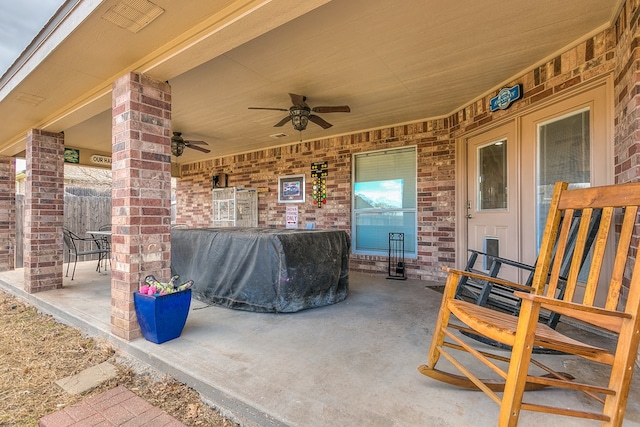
{"x":502,"y":298}
{"x":483,"y":292}
{"x":619,"y":203}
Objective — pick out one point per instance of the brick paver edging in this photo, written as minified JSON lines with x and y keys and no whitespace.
{"x":115,"y":407}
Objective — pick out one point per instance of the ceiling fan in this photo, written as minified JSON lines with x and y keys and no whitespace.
{"x":178,"y":144}
{"x":301,"y":114}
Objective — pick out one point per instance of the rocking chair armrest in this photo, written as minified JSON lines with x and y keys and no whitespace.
{"x":505,"y":260}
{"x":610,"y":320}
{"x":484,"y":277}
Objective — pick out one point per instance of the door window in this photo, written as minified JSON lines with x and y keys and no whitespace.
{"x":563,"y":155}
{"x":492,"y":176}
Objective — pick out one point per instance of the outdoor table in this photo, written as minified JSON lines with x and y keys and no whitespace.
{"x":99,"y":233}
{"x":103,"y":241}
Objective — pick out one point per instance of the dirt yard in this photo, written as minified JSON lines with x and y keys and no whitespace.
{"x":37,"y":351}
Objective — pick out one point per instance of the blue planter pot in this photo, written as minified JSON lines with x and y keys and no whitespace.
{"x":162,"y":317}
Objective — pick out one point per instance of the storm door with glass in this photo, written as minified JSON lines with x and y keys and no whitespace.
{"x":492,"y":206}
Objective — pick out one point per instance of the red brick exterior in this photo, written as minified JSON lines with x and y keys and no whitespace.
{"x":435,"y":140}
{"x":141,"y":194}
{"x":7,"y":213}
{"x":613,"y":51}
{"x":627,"y":103}
{"x":435,"y":152}
{"x":593,"y":58}
{"x":44,"y":211}
{"x":141,"y":171}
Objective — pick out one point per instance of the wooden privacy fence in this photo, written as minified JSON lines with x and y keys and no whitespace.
{"x":84,"y":209}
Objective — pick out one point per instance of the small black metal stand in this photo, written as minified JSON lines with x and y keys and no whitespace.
{"x":396,"y":257}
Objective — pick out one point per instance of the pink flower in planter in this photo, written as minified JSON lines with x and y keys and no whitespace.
{"x":153,"y":287}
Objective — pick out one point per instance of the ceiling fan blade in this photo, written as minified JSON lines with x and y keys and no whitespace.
{"x":282,"y":122}
{"x":195,"y":147}
{"x":298,"y":100}
{"x":320,"y":122}
{"x":269,"y":108}
{"x":189,"y":142}
{"x":332,"y":109}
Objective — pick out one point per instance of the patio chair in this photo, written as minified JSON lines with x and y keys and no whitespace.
{"x":486,"y":293}
{"x":106,"y":241}
{"x":76,"y":247}
{"x":614,"y":315}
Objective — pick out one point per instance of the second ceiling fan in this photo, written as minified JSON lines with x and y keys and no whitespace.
{"x":300,"y":114}
{"x":178,"y":144}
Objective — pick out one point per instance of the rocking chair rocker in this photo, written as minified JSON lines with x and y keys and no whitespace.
{"x":523,"y":332}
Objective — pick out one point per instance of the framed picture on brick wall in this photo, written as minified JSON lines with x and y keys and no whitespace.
{"x":291,"y":189}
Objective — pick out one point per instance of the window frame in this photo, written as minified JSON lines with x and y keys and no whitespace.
{"x":355,"y":211}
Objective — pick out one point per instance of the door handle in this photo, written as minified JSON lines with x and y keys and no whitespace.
{"x":468,"y":216}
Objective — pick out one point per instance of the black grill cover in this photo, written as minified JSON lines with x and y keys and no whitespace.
{"x":263,"y":270}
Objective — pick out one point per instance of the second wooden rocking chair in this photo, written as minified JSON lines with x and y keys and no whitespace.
{"x":518,"y":372}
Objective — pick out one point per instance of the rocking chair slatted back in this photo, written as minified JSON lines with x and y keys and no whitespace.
{"x":583,"y":302}
{"x":573,"y":245}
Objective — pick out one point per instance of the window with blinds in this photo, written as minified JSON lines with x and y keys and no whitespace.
{"x":384,"y":200}
{"x":564,"y":154}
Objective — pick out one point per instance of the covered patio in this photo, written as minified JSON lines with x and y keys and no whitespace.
{"x":352,"y":363}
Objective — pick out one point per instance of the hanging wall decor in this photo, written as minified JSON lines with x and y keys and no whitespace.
{"x":319,"y":174}
{"x":291,"y":189}
{"x":505,"y":98}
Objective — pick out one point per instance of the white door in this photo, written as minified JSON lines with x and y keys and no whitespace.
{"x":492,"y":205}
{"x":511,"y":171}
{"x":567,"y":141}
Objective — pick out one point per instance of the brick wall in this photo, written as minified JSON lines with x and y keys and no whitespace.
{"x":592,"y":58}
{"x":8,"y":213}
{"x":627,"y":105}
{"x":260,"y":169}
{"x":627,"y":89}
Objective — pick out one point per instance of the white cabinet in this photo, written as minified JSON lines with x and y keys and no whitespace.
{"x":234,"y":207}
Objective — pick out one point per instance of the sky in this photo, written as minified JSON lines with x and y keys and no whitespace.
{"x":20,"y":22}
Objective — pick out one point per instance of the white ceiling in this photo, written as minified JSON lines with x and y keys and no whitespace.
{"x":391,"y":61}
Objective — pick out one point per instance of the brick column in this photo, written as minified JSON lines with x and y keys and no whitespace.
{"x":627,"y":110}
{"x":7,"y":213}
{"x":44,"y":211}
{"x":141,"y":195}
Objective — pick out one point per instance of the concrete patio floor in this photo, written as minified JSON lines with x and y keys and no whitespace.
{"x":349,"y":364}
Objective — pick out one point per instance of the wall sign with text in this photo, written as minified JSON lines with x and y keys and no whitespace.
{"x":506,"y":97}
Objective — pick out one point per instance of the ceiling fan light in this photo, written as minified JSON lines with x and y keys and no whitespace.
{"x":177,"y":144}
{"x":299,"y":118}
{"x":177,"y":148}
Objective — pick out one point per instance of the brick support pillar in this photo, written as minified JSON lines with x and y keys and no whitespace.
{"x":7,"y":213}
{"x":627,"y":110}
{"x":141,"y":195}
{"x":44,"y":211}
